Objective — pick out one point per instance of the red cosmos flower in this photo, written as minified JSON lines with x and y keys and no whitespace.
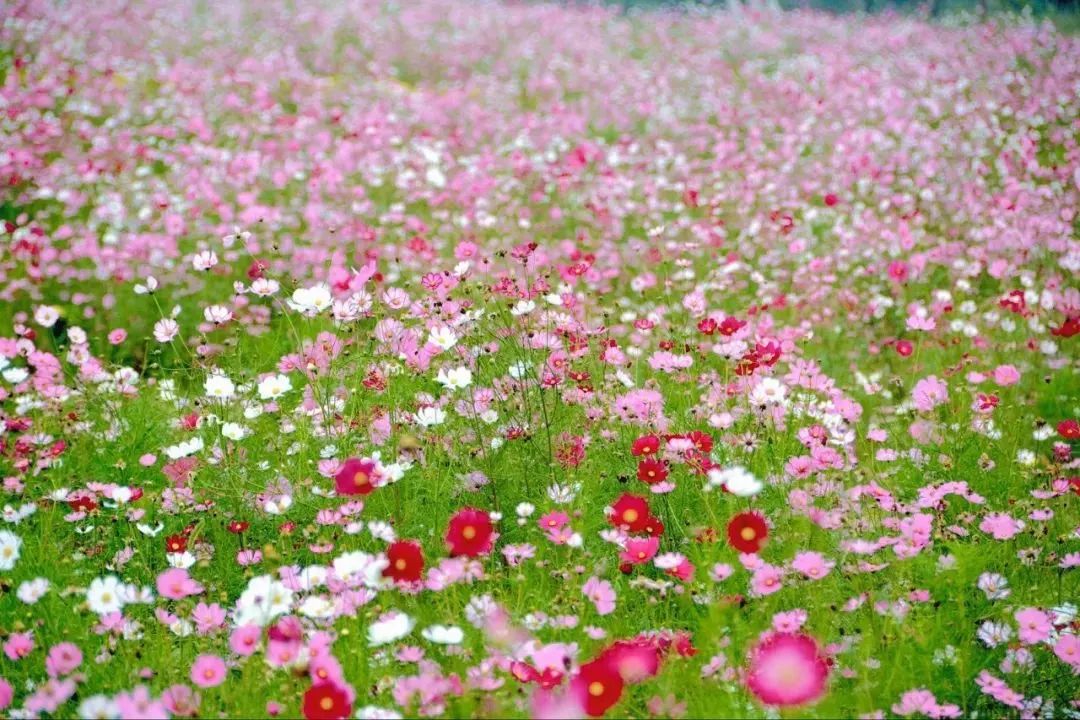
{"x":747,"y":532}
{"x":635,"y":660}
{"x":653,"y":527}
{"x":597,"y":687}
{"x":326,"y":701}
{"x":707,"y":326}
{"x":1014,"y":301}
{"x":904,"y":348}
{"x":1069,"y":429}
{"x":703,"y":441}
{"x":630,"y":511}
{"x":831,"y":199}
{"x":470,"y":533}
{"x":652,"y":471}
{"x":257,"y":268}
{"x":83,"y":503}
{"x":645,"y":445}
{"x":1067,"y":329}
{"x":238,"y":526}
{"x":176,"y":543}
{"x":731,"y":325}
{"x":406,"y":560}
{"x":787,"y":670}
{"x":356,"y":477}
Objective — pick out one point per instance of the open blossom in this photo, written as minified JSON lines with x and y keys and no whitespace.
{"x":813,"y":565}
{"x":501,"y":358}
{"x":601,"y":594}
{"x":787,"y":670}
{"x":1001,"y":526}
{"x":1034,"y":624}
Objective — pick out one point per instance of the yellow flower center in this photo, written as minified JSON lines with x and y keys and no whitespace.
{"x":469,"y":532}
{"x":596,"y":689}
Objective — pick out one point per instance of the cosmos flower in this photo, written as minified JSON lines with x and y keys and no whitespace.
{"x":787,"y":670}
{"x":470,"y":533}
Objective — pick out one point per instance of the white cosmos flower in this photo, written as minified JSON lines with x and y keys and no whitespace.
{"x":188,"y":447}
{"x":523,"y":307}
{"x":457,"y":378}
{"x":312,"y":300}
{"x":444,"y":634}
{"x":165,"y":330}
{"x":738,"y":480}
{"x":443,"y":337}
{"x":46,"y":315}
{"x":219,"y":386}
{"x":217,"y":314}
{"x":182,"y":560}
{"x":519,"y":370}
{"x":265,"y":287}
{"x":373,"y":712}
{"x":317,"y":606}
{"x":152,"y":531}
{"x":359,"y":567}
{"x":274,"y":387}
{"x":263,"y":600}
{"x":16,"y":375}
{"x":390,"y":627}
{"x":278,"y":505}
{"x":234,"y":431}
{"x":10,"y":544}
{"x":17,"y":515}
{"x":98,"y":707}
{"x":106,"y":595}
{"x":150,"y":286}
{"x":430,"y":416}
{"x":769,"y":391}
{"x":204,"y":260}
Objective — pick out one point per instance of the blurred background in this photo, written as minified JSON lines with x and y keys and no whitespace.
{"x":1066,"y":13}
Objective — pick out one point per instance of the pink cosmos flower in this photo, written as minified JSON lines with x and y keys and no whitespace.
{"x":18,"y":645}
{"x":181,"y":701}
{"x":766,"y":580}
{"x":601,"y":594}
{"x":1067,"y":648}
{"x":7,"y":694}
{"x":245,"y":639}
{"x":787,"y":670}
{"x":208,"y":671}
{"x":139,"y":704}
{"x":176,"y":584}
{"x":813,"y":565}
{"x":929,"y":393}
{"x":923,"y":702}
{"x":1035,"y":625}
{"x":63,"y":659}
{"x":1001,"y":526}
{"x":789,"y":622}
{"x":640,"y":550}
{"x":1005,"y":375}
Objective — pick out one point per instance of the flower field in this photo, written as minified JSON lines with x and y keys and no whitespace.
{"x":452,"y":359}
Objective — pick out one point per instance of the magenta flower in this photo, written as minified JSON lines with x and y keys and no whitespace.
{"x":787,"y":670}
